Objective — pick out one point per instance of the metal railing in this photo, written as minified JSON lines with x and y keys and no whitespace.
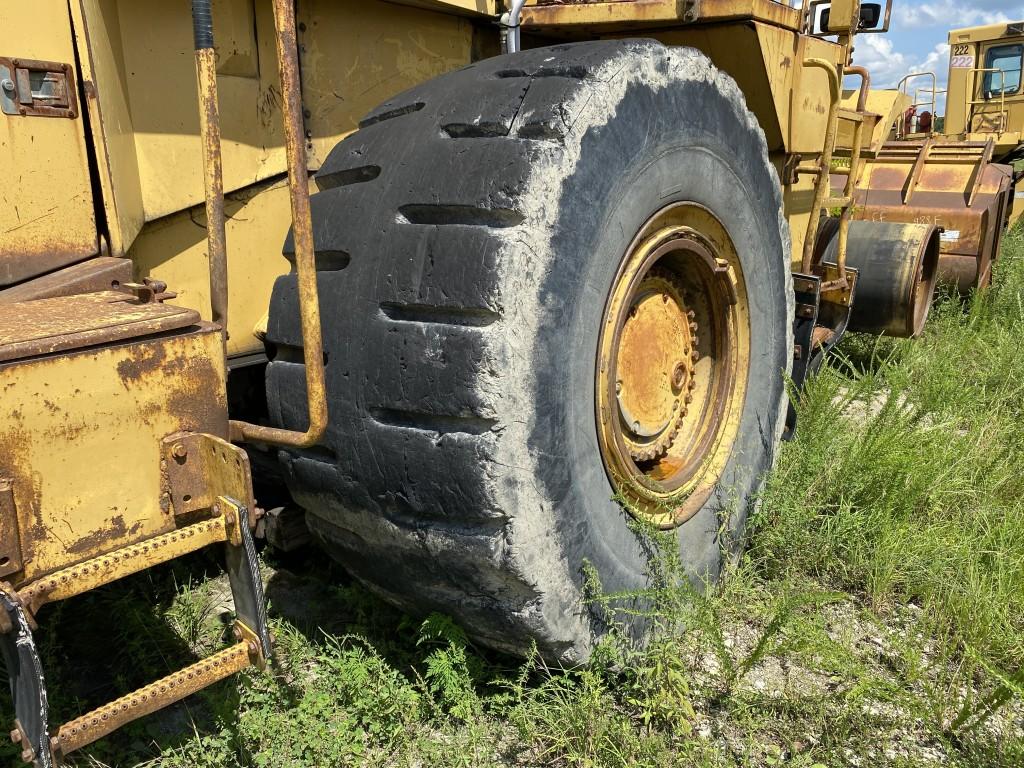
{"x":903,"y":87}
{"x":1003,"y":117}
{"x":302,"y":225}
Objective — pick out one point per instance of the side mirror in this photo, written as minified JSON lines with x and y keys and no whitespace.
{"x":821,"y":21}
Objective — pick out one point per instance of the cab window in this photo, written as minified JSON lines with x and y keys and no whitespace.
{"x":1008,"y":59}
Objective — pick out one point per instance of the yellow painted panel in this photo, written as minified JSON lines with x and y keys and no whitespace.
{"x":797,"y":200}
{"x":811,"y":97}
{"x":106,"y":98}
{"x":46,"y":205}
{"x":358,"y":54}
{"x":81,"y":441}
{"x":738,"y":49}
{"x":159,"y":73}
{"x":889,"y":105}
{"x":173,"y":249}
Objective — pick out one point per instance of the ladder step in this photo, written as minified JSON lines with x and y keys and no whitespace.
{"x":851,"y":115}
{"x":837,"y":202}
{"x":104,"y":720}
{"x":135,"y":558}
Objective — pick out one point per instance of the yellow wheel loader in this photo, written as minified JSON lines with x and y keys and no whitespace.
{"x":485,"y":283}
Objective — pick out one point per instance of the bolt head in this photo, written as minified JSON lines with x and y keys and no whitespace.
{"x":8,"y":85}
{"x":679,"y":376}
{"x":179,"y":451}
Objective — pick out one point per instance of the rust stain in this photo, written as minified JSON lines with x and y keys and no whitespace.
{"x":145,"y":360}
{"x":99,"y":539}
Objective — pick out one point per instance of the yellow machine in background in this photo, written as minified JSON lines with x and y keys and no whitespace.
{"x":955,"y":169}
{"x":154,"y":162}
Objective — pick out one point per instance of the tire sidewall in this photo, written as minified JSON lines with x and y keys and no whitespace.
{"x":650,"y":155}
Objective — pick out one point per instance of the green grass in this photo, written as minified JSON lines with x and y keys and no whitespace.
{"x":877,"y":618}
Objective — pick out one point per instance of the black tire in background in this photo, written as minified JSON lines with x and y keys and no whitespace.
{"x":467,"y":237}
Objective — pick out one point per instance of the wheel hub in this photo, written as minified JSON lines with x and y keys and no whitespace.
{"x":656,"y":366}
{"x":674,"y":359}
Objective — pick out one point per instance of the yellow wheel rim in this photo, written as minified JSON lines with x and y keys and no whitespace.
{"x":674,"y":364}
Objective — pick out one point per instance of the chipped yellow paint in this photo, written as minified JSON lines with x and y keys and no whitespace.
{"x":174,"y":250}
{"x":46,"y":205}
{"x":81,"y":436}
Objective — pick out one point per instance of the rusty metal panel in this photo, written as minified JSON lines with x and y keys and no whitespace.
{"x":887,"y":105}
{"x":47,"y":218}
{"x":487,"y":8}
{"x":99,"y":274}
{"x":80,"y":441}
{"x":954,"y":187}
{"x":34,"y":328}
{"x":158,"y":70}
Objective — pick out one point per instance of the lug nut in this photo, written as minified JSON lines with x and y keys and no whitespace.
{"x":679,"y":376}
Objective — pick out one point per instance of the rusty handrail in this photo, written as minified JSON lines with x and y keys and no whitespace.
{"x":835,"y":93}
{"x":865,"y":84}
{"x":903,"y":87}
{"x":213,"y":169}
{"x":305,"y":258}
{"x":1003,"y":114}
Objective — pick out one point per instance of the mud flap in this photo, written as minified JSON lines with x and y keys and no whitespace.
{"x":28,"y":687}
{"x":246,"y":583}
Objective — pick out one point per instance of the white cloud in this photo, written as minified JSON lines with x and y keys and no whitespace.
{"x":949,"y":14}
{"x":888,"y":66}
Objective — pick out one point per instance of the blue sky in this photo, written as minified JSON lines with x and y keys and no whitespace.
{"x":917,"y":38}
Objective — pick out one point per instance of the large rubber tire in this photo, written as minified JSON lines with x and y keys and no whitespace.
{"x":468,"y":235}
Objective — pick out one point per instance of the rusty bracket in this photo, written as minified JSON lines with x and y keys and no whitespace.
{"x":835,"y":289}
{"x":149,"y":291}
{"x":198,"y":469}
{"x":791,"y":170}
